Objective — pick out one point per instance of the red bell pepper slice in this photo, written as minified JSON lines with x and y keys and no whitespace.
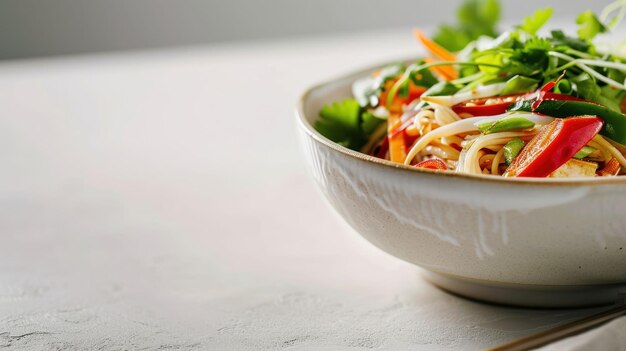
{"x":433,"y":163}
{"x":414,"y":92}
{"x":554,"y":145}
{"x":498,"y":104}
{"x":490,"y":106}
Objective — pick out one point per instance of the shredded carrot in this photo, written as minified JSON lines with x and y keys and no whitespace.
{"x":434,"y":48}
{"x":611,"y":168}
{"x":396,"y":133}
{"x":396,"y":104}
{"x":445,"y":72}
{"x":397,"y":148}
{"x":398,"y":101}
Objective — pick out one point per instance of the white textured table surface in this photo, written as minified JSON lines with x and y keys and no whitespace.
{"x":158,"y":201}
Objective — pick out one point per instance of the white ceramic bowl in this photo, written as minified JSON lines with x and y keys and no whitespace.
{"x":530,"y":242}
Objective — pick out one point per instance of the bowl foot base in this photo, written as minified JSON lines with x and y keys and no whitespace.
{"x":541,"y":296}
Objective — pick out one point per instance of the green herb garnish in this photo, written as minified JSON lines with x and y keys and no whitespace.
{"x":345,"y":123}
{"x":532,"y":24}
{"x":589,"y":25}
{"x":476,"y":18}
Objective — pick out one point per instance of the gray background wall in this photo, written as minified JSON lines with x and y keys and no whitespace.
{"x":56,"y":27}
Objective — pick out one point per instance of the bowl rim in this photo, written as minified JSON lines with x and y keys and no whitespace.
{"x":310,"y":130}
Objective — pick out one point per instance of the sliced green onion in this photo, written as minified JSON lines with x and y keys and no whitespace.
{"x":441,"y":88}
{"x":477,"y":93}
{"x":519,"y":84}
{"x":467,"y":79}
{"x":512,"y":149}
{"x":564,"y":86}
{"x":505,"y":124}
{"x":584,"y":152}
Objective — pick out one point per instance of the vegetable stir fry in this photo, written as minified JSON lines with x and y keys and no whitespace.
{"x":527,"y":102}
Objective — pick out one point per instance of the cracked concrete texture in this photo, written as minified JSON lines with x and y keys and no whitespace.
{"x":131,"y":218}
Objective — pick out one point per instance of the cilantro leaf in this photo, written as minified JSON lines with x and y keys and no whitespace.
{"x":487,"y":12}
{"x":536,"y":43}
{"x":611,"y":98}
{"x":559,"y":38}
{"x":369,"y":123}
{"x":528,"y":61}
{"x":616,"y":74}
{"x":476,"y":18}
{"x":589,"y":25}
{"x":452,"y":38}
{"x":588,"y":89}
{"x":533,"y":23}
{"x":344,"y":123}
{"x":339,"y":121}
{"x":424,"y":77}
{"x":493,"y":57}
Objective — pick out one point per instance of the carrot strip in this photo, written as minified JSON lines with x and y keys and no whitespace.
{"x":434,"y":48}
{"x":446,"y":72}
{"x":611,"y":168}
{"x":397,"y":148}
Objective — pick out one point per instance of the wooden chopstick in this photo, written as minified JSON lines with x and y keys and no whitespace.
{"x":547,"y":336}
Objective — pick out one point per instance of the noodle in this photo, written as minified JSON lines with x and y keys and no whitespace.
{"x":436,"y":151}
{"x":458,"y":127}
{"x":612,"y":150}
{"x":471,"y":158}
{"x":423,"y":121}
{"x":448,"y":149}
{"x":461,"y":163}
{"x":445,"y":115}
{"x":451,"y":140}
{"x":606,"y":154}
{"x":451,"y":134}
{"x":496,"y":162}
